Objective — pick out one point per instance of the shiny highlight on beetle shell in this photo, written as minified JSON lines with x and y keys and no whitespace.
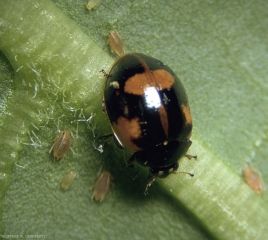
{"x":140,"y":82}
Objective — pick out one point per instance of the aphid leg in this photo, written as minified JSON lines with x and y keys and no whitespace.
{"x":51,"y":148}
{"x":72,"y":151}
{"x":58,"y":132}
{"x":98,"y":175}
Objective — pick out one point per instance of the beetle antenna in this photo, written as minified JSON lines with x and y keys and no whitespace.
{"x":104,"y":73}
{"x":149,"y":185}
{"x":190,"y":174}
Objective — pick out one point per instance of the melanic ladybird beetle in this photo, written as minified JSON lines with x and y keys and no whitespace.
{"x":149,"y":113}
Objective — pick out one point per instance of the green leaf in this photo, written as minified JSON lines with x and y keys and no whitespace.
{"x":219,"y":51}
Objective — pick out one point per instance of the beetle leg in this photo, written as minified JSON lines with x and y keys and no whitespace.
{"x":104,"y":73}
{"x":105,"y":137}
{"x":149,"y":185}
{"x":190,"y":174}
{"x":131,"y":160}
{"x":190,"y":156}
{"x":102,"y":139}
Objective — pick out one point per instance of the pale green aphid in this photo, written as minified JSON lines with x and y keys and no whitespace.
{"x":68,"y":180}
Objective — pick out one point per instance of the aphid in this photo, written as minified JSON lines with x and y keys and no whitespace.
{"x":68,"y":180}
{"x":92,"y":4}
{"x":102,"y":186}
{"x":115,"y":42}
{"x":61,"y":145}
{"x":253,"y":179}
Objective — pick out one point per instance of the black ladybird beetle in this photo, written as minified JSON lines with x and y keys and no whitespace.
{"x":149,"y":112}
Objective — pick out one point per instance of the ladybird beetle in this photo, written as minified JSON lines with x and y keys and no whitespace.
{"x":149,"y":113}
{"x":253,"y":179}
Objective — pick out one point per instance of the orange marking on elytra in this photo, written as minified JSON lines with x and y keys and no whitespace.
{"x":160,"y":79}
{"x":127,"y":130}
{"x":136,"y":84}
{"x":163,"y":78}
{"x":187,"y":114}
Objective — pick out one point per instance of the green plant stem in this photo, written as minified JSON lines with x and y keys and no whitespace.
{"x":219,"y":198}
{"x":51,"y":56}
